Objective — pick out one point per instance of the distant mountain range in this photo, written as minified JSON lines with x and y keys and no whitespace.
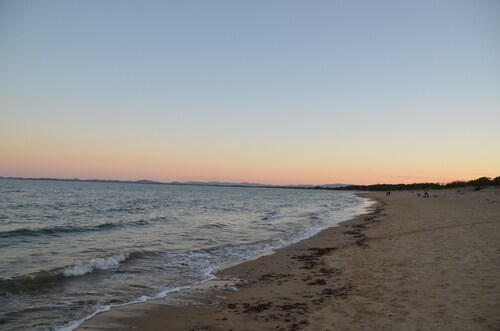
{"x":196,"y":183}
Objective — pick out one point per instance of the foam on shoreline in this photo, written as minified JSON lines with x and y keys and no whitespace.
{"x":217,"y":280}
{"x":383,"y":262}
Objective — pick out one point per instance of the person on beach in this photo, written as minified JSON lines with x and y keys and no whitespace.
{"x":388,"y":194}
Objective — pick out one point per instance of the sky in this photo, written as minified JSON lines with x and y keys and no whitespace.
{"x":267,"y":91}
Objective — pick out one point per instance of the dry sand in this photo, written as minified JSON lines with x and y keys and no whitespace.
{"x":414,"y":264}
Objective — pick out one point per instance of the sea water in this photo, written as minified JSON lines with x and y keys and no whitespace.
{"x":71,"y":249}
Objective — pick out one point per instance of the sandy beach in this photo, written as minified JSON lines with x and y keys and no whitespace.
{"x":413,"y":264}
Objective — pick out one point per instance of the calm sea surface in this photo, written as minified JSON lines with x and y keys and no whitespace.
{"x":71,"y":249}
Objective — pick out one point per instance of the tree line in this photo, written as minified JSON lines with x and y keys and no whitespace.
{"x":478,"y":183}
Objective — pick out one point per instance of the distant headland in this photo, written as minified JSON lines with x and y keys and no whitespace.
{"x":477,"y":183}
{"x":191,"y":183}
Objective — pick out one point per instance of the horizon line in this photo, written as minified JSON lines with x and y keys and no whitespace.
{"x":199,"y":183}
{"x":221,"y":183}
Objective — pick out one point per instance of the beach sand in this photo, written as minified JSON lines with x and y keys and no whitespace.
{"x":413,"y":264}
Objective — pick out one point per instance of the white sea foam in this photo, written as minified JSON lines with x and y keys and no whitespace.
{"x":81,"y":268}
{"x":191,"y":232}
{"x":74,"y":324}
{"x":101,"y":309}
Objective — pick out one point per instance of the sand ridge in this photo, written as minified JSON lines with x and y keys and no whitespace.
{"x":414,"y":264}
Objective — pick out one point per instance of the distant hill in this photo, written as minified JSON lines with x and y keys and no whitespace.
{"x":146,"y":181}
{"x":217,"y":184}
{"x":479,"y":182}
{"x":142,"y":181}
{"x":196,"y":183}
{"x":246,"y":184}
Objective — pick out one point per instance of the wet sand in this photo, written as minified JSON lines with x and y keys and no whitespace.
{"x":413,"y":264}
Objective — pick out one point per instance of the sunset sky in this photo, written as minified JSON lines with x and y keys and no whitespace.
{"x":268,"y":91}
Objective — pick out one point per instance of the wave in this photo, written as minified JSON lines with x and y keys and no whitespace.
{"x":103,"y":308}
{"x":51,"y":277}
{"x":214,"y":226}
{"x":62,"y":229}
{"x":272,"y":216}
{"x":81,"y":268}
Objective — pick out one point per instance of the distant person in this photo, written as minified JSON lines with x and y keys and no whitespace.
{"x":388,"y":194}
{"x":426,"y":194}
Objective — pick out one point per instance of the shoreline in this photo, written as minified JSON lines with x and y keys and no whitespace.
{"x":227,"y":280}
{"x":347,"y":276}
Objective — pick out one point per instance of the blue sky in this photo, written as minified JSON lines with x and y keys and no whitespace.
{"x":275,"y":91}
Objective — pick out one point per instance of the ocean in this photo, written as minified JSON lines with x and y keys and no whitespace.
{"x":71,"y":249}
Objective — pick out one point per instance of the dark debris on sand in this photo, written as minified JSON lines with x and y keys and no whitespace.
{"x":257,"y":308}
{"x":357,"y":232}
{"x":321,"y":279}
{"x":311,"y":260}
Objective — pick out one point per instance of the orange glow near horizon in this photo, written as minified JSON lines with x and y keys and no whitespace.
{"x":60,"y":161}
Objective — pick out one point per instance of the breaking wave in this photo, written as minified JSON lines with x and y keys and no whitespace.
{"x":81,"y":268}
{"x":50,"y":277}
